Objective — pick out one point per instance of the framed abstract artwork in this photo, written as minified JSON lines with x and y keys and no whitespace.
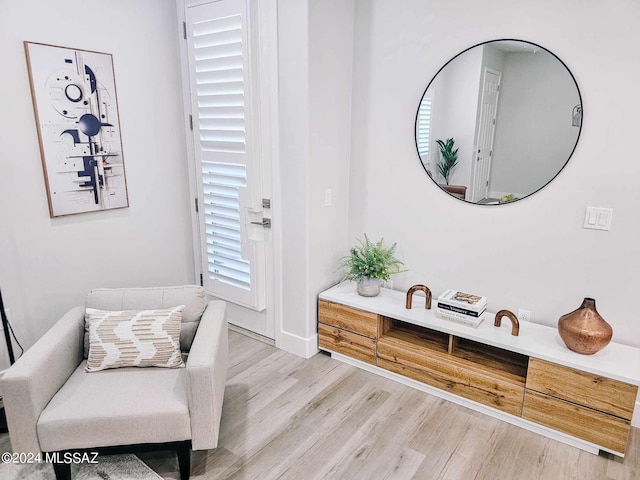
{"x":76,"y":111}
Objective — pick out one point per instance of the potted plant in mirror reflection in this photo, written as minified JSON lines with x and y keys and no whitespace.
{"x":508,"y":198}
{"x":370,"y":264}
{"x":449,"y":158}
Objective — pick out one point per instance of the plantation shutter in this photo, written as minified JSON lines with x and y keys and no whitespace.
{"x":233,"y":257}
{"x":424,"y":129}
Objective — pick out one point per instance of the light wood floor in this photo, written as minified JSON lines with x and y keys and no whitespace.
{"x":289,"y":418}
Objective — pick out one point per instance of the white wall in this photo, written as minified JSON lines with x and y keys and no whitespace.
{"x":534,"y":253}
{"x":455,"y":112}
{"x":48,"y":265}
{"x":293,"y":31}
{"x":491,"y":58}
{"x":315,"y":65}
{"x":458,"y":88}
{"x":330,"y":73}
{"x":534,"y":131}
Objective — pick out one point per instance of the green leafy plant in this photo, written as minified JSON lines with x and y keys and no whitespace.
{"x":370,"y":260}
{"x":449,"y":158}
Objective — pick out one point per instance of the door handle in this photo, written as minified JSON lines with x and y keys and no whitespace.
{"x":266,"y":223}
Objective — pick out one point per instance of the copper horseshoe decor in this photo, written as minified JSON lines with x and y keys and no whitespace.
{"x":515,"y":325}
{"x":422,"y":288}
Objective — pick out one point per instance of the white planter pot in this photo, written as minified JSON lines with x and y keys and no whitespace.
{"x":369,"y":287}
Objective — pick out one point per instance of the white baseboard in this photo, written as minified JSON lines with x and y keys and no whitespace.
{"x":303,"y":347}
{"x":635,"y":421}
{"x":249,"y":333}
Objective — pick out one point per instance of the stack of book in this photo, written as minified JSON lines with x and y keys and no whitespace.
{"x":461,"y":307}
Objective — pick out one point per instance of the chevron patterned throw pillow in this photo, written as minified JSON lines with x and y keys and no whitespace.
{"x":130,"y":338}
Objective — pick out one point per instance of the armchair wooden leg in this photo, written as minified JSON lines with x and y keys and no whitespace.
{"x":62,"y":471}
{"x":184,"y":460}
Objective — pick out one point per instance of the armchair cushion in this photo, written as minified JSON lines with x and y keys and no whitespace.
{"x":134,"y":338}
{"x":193,"y":297}
{"x":124,"y":406}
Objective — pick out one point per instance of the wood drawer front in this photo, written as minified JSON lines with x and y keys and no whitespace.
{"x":420,"y":359}
{"x":347,"y":343}
{"x":347,"y":318}
{"x":495,"y":393}
{"x":596,"y":427}
{"x":594,"y":391}
{"x":444,"y":374}
{"x":423,"y":376}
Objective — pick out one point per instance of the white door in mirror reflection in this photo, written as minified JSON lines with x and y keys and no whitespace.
{"x":485,"y":133}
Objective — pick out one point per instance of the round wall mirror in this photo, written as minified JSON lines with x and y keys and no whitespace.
{"x":498,"y":122}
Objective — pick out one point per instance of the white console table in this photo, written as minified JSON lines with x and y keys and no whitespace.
{"x":532,"y":380}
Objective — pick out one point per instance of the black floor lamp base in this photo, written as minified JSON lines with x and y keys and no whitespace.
{"x":7,"y":338}
{"x":3,"y":422}
{"x":7,"y":335}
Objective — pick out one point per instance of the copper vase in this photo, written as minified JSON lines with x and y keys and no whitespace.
{"x":584,"y":330}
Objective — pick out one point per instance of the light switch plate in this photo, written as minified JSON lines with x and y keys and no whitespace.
{"x":598,"y":218}
{"x":327,"y":197}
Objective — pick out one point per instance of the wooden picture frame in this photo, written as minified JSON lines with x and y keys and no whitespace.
{"x":76,"y":112}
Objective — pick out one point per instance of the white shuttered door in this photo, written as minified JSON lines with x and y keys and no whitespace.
{"x":226,"y":156}
{"x":424,"y":129}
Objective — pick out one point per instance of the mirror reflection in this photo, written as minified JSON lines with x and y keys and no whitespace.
{"x":498,"y":122}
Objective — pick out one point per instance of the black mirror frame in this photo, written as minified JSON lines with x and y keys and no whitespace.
{"x":415,"y":126}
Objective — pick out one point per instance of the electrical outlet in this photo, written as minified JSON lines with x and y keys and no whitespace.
{"x":524,"y":315}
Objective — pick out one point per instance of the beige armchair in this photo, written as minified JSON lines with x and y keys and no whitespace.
{"x":53,"y":405}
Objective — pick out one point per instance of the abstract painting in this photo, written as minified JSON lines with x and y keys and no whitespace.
{"x":76,"y":110}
